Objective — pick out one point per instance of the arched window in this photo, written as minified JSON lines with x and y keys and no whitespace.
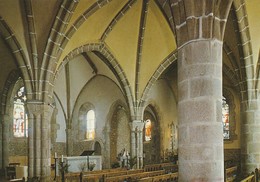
{"x":20,"y":119}
{"x":90,"y":125}
{"x":148,"y":129}
{"x":225,"y":118}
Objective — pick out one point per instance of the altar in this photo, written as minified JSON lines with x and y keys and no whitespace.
{"x":76,"y":162}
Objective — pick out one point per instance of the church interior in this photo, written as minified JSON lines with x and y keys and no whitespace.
{"x":129,"y":84}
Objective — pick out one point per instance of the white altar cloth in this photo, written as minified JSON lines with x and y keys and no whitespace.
{"x":75,"y":162}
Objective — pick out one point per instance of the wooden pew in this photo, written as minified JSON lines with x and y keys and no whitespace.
{"x":100,"y":176}
{"x":134,"y":177}
{"x":103,"y":175}
{"x":152,"y":167}
{"x":250,"y":178}
{"x":156,"y":167}
{"x":230,"y":174}
{"x":170,"y":168}
{"x":173,"y":177}
{"x":75,"y":176}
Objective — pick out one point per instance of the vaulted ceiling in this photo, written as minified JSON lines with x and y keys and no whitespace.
{"x":136,"y":33}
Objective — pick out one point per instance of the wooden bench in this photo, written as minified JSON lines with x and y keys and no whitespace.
{"x":230,"y":174}
{"x":170,"y":168}
{"x":134,"y":177}
{"x":250,"y":178}
{"x":102,"y":176}
{"x":173,"y":177}
{"x":152,"y":167}
{"x":75,"y":176}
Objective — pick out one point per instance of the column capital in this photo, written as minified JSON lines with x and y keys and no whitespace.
{"x":137,"y":125}
{"x":37,"y":107}
{"x":200,"y":21}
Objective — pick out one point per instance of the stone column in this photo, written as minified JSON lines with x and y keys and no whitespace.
{"x":31,"y":153}
{"x":200,"y":28}
{"x":137,"y":141}
{"x":133,"y":140}
{"x":250,"y":133}
{"x":199,"y":111}
{"x":5,"y":139}
{"x":39,"y":139}
{"x":141,"y":151}
{"x":69,"y":144}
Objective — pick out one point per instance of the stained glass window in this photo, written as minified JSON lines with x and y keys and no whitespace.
{"x":225,"y":118}
{"x":20,"y":119}
{"x":148,"y":129}
{"x":90,"y":130}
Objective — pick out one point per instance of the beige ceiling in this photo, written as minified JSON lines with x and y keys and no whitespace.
{"x":253,"y":9}
{"x":123,"y":40}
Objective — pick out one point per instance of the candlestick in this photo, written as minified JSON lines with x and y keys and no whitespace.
{"x":55,"y":155}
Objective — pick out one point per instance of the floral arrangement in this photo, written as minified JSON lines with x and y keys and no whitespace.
{"x":92,"y":165}
{"x":63,"y":167}
{"x":83,"y":166}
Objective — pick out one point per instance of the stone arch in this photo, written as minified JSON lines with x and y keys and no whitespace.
{"x":11,"y":146}
{"x":97,"y":148}
{"x":18,"y":53}
{"x":245,"y":47}
{"x":168,"y":61}
{"x":103,"y":52}
{"x":81,"y":124}
{"x":111,"y":131}
{"x":151,"y":148}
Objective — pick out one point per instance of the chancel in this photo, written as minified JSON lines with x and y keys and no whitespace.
{"x":113,"y":90}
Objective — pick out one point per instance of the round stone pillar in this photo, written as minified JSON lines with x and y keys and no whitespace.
{"x":199,"y":111}
{"x":250,"y":145}
{"x":69,"y":143}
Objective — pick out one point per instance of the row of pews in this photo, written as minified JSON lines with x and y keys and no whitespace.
{"x":150,"y":173}
{"x":231,"y":175}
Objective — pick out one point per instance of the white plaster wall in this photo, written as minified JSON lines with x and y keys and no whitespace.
{"x":80,"y":74}
{"x":102,"y":93}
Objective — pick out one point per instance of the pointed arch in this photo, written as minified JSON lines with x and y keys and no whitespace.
{"x":103,"y":52}
{"x":18,"y":53}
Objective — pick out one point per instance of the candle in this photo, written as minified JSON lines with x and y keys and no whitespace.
{"x":61,"y":158}
{"x":55,"y":155}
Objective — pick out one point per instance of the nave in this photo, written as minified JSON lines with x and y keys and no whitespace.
{"x":141,"y":79}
